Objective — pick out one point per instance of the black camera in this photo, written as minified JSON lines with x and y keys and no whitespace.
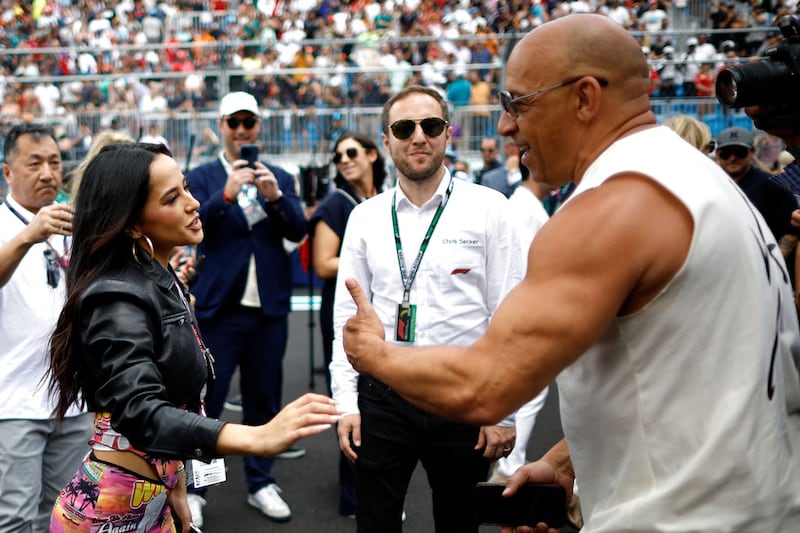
{"x":774,"y":82}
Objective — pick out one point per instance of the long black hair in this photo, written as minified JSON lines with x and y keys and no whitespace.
{"x":112,"y":195}
{"x":378,"y":166}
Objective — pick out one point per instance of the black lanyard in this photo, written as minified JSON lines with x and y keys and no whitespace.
{"x":61,"y":260}
{"x":408,"y":278}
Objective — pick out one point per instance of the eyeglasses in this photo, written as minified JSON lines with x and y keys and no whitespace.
{"x":431,"y":126}
{"x":511,"y":105}
{"x":248,"y":123}
{"x":739,"y":151}
{"x":51,"y":262}
{"x":351,"y":153}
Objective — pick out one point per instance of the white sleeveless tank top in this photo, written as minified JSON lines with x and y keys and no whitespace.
{"x":685,"y":416}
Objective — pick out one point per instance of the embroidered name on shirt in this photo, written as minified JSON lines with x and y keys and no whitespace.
{"x":463,"y":242}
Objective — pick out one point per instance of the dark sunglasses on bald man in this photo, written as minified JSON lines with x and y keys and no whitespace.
{"x":351,"y":153}
{"x":248,"y":123}
{"x":431,"y":126}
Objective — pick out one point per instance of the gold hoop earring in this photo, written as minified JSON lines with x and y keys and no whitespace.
{"x":133,"y":252}
{"x":152,"y":251}
{"x":134,"y":245}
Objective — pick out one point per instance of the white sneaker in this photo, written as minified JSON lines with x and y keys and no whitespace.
{"x":196,"y":504}
{"x":268,"y":500}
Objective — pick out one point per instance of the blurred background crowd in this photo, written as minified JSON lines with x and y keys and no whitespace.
{"x":321,"y":67}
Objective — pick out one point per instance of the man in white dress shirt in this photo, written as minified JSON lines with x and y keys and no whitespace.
{"x":37,"y":455}
{"x":436,"y":255}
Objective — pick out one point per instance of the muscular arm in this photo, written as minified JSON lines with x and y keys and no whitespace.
{"x":608,"y":252}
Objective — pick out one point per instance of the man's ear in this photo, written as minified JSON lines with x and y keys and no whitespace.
{"x":589,"y":96}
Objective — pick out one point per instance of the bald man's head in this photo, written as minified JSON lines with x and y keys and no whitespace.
{"x":574,"y":86}
{"x":583,"y":44}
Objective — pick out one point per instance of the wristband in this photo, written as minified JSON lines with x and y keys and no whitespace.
{"x":227,"y":198}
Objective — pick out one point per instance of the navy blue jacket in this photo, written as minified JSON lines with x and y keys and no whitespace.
{"x":228,"y":244}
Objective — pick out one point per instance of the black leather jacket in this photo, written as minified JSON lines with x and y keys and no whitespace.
{"x":142,"y":362}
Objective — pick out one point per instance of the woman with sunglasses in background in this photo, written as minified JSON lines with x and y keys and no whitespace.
{"x":126,"y":344}
{"x":360,"y":174}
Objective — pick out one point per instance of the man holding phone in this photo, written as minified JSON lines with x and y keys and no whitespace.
{"x":243,"y":290}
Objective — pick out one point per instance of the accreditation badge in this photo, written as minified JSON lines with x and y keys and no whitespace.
{"x":406,"y":322}
{"x":200,"y":474}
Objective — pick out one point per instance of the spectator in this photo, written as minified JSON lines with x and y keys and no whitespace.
{"x":459,"y":91}
{"x":450,"y":292}
{"x":37,"y":455}
{"x":505,"y":177}
{"x":489,"y":153}
{"x":154,"y":135}
{"x":735,"y":154}
{"x":603,"y":331}
{"x":689,"y":67}
{"x":244,"y":287}
{"x":128,"y":343}
{"x":705,"y":87}
{"x":693,"y":131}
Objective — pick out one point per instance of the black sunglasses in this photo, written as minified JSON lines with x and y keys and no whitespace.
{"x":248,"y":123}
{"x":431,"y":126}
{"x":739,"y":151}
{"x":53,"y":274}
{"x":351,"y":153}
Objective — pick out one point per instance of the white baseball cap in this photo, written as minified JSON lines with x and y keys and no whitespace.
{"x":238,"y":101}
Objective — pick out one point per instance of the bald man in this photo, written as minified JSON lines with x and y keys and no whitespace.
{"x":669,"y":320}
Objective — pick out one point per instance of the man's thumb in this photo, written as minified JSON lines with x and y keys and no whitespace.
{"x":357,"y":293}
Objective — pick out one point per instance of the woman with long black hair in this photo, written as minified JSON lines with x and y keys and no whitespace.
{"x":127,"y":345}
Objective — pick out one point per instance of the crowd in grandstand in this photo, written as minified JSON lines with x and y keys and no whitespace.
{"x":84,"y":61}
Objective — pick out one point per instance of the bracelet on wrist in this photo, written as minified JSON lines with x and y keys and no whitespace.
{"x":227,"y":198}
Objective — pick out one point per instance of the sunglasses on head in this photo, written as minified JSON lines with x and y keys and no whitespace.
{"x":739,"y":151}
{"x":431,"y":126}
{"x":351,"y":153}
{"x":248,"y":123}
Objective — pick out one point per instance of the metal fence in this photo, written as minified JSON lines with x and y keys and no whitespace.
{"x":303,"y":136}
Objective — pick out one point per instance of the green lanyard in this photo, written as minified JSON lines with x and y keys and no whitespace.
{"x":408,"y":278}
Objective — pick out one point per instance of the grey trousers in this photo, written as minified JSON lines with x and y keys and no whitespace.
{"x":37,"y":458}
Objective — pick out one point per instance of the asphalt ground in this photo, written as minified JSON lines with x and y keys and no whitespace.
{"x":310,"y":484}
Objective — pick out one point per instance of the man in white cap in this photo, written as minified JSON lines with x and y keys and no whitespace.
{"x":244,"y":285}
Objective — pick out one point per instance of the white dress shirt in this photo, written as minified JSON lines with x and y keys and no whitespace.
{"x":29,"y":310}
{"x":472,"y":262}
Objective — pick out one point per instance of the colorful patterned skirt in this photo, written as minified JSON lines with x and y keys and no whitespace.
{"x":106,"y":498}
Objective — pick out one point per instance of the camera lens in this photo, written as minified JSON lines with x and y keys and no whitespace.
{"x":755,"y":83}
